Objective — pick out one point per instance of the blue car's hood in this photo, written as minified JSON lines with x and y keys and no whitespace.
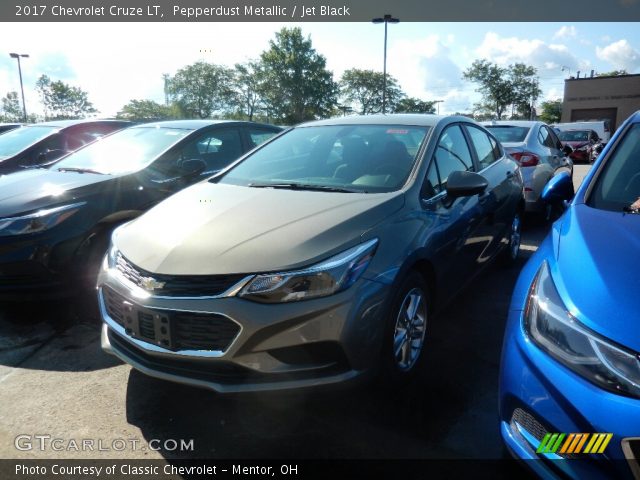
{"x":598,"y":262}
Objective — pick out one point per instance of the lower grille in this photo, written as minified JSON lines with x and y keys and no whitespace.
{"x":172,"y":330}
{"x":631,"y":449}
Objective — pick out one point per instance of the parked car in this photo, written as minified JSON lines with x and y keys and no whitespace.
{"x":601,"y":127}
{"x":571,"y":355}
{"x":317,"y":259}
{"x":55,"y":223}
{"x":44,"y":143}
{"x":536,"y":147}
{"x":5,"y":127}
{"x":582,"y":142}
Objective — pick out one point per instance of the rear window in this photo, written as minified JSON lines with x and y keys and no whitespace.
{"x":508,"y":133}
{"x":574,"y":135}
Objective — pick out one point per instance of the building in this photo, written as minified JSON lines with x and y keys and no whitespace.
{"x":601,"y":98}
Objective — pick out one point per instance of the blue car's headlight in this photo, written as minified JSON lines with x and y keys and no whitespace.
{"x":328,"y":277}
{"x":557,"y":332}
{"x":38,"y":221}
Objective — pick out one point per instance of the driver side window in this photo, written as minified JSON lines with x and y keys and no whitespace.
{"x":452,"y":154}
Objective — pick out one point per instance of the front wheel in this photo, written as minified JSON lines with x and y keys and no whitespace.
{"x":405,"y":331}
{"x":512,"y":252}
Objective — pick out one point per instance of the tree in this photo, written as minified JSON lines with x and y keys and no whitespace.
{"x":494,"y":85}
{"x":62,"y":101}
{"x":247,"y":88}
{"x":202,"y":89}
{"x":525,"y":89}
{"x":362,"y":90}
{"x":613,"y":73}
{"x":147,"y":110}
{"x":295,"y":84}
{"x":415,"y":105}
{"x":11,"y":111}
{"x":551,"y":111}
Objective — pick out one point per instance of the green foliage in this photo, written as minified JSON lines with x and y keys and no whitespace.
{"x":516,"y":86}
{"x":202,"y":89}
{"x":551,"y":111}
{"x":247,"y":85}
{"x":613,"y":73}
{"x":415,"y":105}
{"x":362,"y":90}
{"x":10,"y":109}
{"x":146,"y":111}
{"x":62,"y":101}
{"x":295,"y":84}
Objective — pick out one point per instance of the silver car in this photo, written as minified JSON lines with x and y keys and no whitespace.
{"x":538,"y":150}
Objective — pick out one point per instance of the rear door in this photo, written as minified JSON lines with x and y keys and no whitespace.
{"x":458,"y":222}
{"x":496,"y":202}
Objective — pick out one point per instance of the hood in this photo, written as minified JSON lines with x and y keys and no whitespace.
{"x":599,"y":270}
{"x":34,"y":189}
{"x":219,"y":229}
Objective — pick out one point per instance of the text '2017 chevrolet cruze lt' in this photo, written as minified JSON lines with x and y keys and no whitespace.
{"x":316,"y":259}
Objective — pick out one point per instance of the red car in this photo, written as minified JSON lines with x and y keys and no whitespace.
{"x":583,"y":143}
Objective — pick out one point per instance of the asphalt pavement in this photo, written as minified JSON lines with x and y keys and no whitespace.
{"x":55,"y":380}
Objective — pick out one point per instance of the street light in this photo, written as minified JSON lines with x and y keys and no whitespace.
{"x":438,"y":102}
{"x":17,"y":57}
{"x":386,"y":20}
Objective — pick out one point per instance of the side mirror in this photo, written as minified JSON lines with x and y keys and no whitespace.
{"x":567,"y":150}
{"x":559,"y":188}
{"x":465,"y":184}
{"x":193,"y":167}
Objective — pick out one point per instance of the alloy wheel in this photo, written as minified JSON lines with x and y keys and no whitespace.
{"x":410,"y":328}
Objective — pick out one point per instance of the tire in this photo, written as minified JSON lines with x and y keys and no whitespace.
{"x":509,"y":256}
{"x":401,"y":356}
{"x":88,"y":300}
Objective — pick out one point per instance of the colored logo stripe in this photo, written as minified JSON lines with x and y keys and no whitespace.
{"x":574,"y":443}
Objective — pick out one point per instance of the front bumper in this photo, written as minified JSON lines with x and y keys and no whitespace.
{"x":538,"y":396}
{"x":330,"y":340}
{"x":39,"y":266}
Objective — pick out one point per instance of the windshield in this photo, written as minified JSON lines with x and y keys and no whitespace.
{"x":125,"y":151}
{"x":14,"y":141}
{"x":574,"y":135}
{"x":508,"y":133}
{"x":358,"y":158}
{"x":617,"y":188}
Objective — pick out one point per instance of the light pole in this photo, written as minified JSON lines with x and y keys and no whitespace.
{"x":24,"y":106}
{"x":438,"y":102}
{"x":386,"y":20}
{"x":564,"y":67}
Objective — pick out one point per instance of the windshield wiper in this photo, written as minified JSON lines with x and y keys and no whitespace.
{"x":304,"y":186}
{"x":80,"y":170}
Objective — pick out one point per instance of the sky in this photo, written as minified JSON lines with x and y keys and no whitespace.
{"x":118,"y":62}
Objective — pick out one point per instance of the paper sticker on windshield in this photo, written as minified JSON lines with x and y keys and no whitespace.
{"x":397,"y":131}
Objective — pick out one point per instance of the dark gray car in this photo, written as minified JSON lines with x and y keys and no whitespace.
{"x":317,"y":258}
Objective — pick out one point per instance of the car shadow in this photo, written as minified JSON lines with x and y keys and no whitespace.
{"x":61,"y":335}
{"x":449,"y":411}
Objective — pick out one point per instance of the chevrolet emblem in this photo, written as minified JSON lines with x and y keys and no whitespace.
{"x":150,"y":284}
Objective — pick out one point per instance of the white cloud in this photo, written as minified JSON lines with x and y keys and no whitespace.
{"x":621,"y":55}
{"x":566,"y":31}
{"x":547,"y":58}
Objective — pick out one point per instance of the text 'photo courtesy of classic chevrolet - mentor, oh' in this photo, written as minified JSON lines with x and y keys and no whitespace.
{"x":319,"y":258}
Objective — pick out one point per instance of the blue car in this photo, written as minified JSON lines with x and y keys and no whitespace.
{"x":570,"y":373}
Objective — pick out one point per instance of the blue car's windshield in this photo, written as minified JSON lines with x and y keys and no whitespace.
{"x":19,"y":139}
{"x":617,"y":188}
{"x":125,"y":151}
{"x":352,"y":158}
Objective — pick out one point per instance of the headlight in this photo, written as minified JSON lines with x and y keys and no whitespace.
{"x":110,"y":258}
{"x":558,"y":333}
{"x":39,"y":221}
{"x":326,"y":278}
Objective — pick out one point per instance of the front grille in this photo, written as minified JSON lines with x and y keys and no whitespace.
{"x":177,"y":285}
{"x":172,"y":330}
{"x":534,"y":428}
{"x":631,"y":449}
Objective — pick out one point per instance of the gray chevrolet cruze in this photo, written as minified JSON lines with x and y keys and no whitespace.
{"x":320,"y":257}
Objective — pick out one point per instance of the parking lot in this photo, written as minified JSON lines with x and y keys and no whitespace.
{"x":55,"y":380}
